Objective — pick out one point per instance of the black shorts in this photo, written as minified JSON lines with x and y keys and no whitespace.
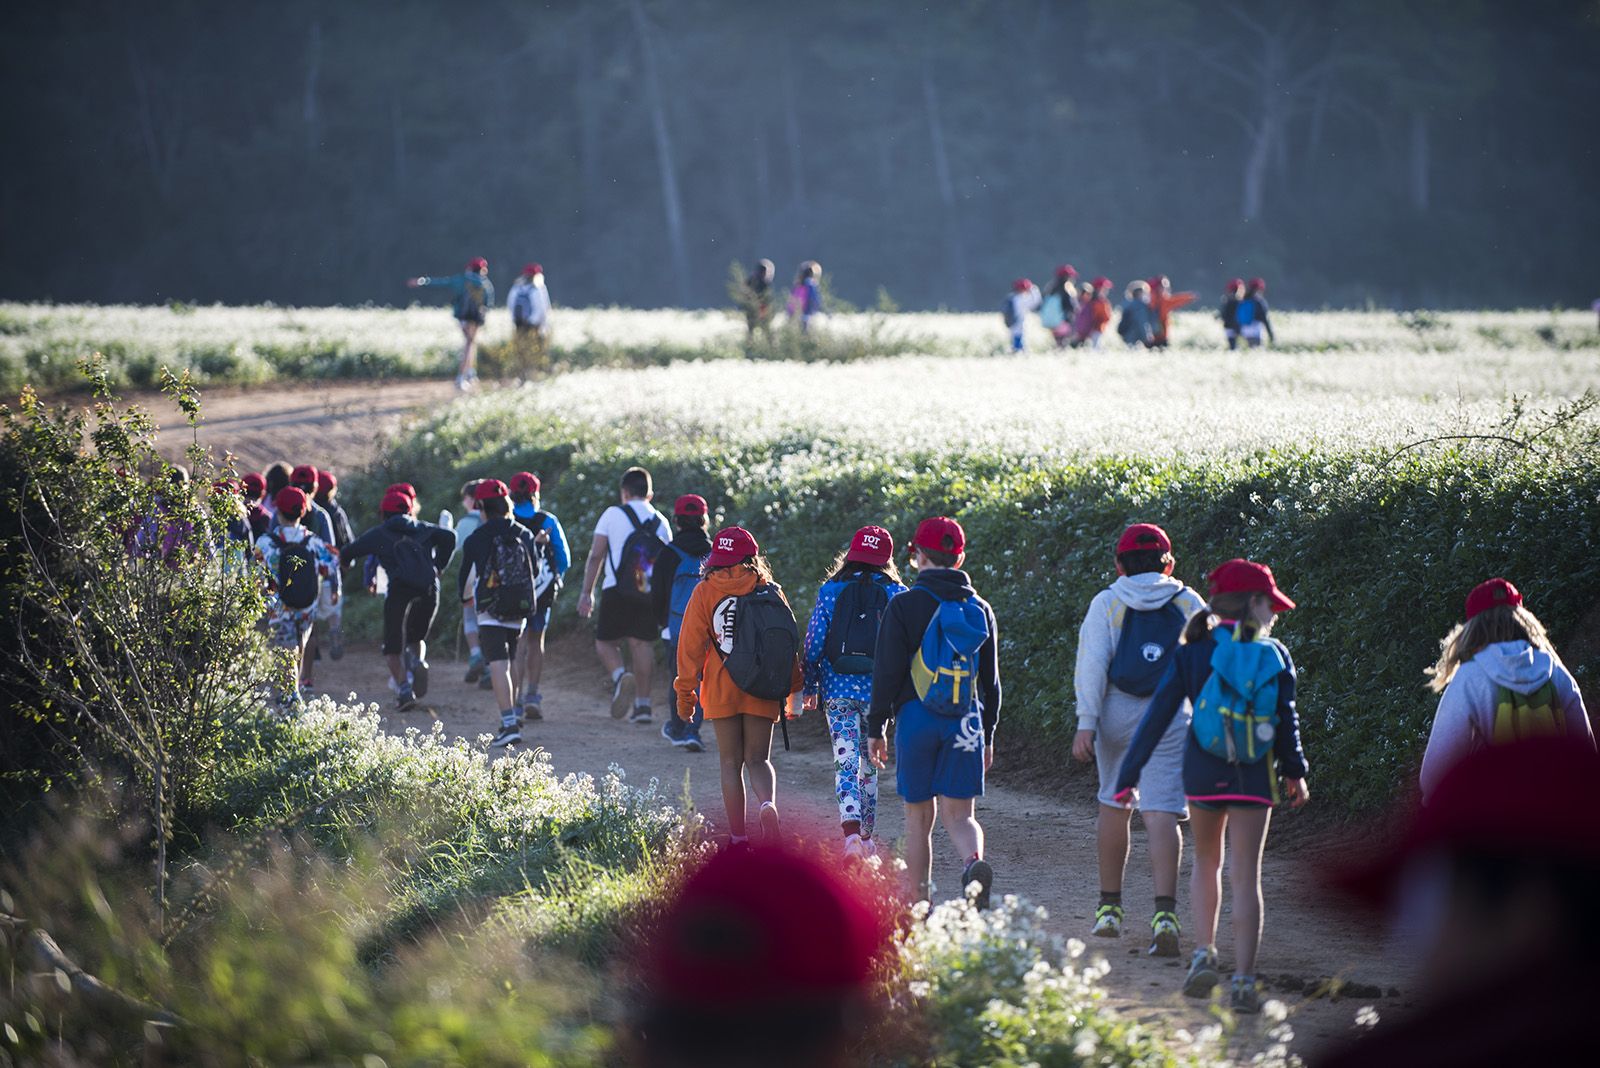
{"x":497,"y":643}
{"x":407,"y":615}
{"x":620,"y":618}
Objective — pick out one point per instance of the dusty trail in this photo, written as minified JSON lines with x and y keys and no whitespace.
{"x":1042,"y":847}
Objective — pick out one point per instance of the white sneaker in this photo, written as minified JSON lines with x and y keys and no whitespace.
{"x":855,"y":847}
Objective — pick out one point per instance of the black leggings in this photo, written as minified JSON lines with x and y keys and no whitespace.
{"x":407,"y":616}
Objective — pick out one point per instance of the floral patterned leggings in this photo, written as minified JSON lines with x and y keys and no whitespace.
{"x":855,"y":779}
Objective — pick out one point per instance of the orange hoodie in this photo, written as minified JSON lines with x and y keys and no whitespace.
{"x":700,"y":661}
{"x":1165,"y":304}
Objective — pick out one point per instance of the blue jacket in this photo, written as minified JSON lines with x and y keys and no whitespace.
{"x":1207,"y":777}
{"x":558,"y":536}
{"x":900,"y":636}
{"x":820,"y":677}
{"x":473,"y":293}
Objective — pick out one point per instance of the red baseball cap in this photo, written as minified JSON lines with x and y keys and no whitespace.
{"x":1234,"y":283}
{"x":291,"y":499}
{"x":477,"y":263}
{"x":1022,"y":285}
{"x":941,"y":534}
{"x":395,"y":503}
{"x":404,"y":487}
{"x":1258,"y":283}
{"x":327,"y":481}
{"x":489,"y":489}
{"x":690,"y":504}
{"x":1143,"y":536}
{"x":871,"y":545}
{"x":1492,"y":594}
{"x":304,"y":475}
{"x":1101,"y":283}
{"x":255,"y":485}
{"x":224,"y":486}
{"x":532,"y":269}
{"x":524,"y":482}
{"x":730,"y":546}
{"x":1247,"y":576}
{"x":765,"y":925}
{"x":1066,"y":270}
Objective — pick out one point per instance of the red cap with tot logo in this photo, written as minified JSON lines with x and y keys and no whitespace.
{"x":871,"y":545}
{"x":732,"y":545}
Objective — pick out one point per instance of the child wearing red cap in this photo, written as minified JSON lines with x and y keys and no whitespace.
{"x":941,"y":757}
{"x":1500,"y":680}
{"x":1163,"y":301}
{"x":529,"y":303}
{"x":1137,"y":327}
{"x":735,"y":574}
{"x":413,"y":555}
{"x":1060,"y":304}
{"x":1023,"y":299}
{"x":253,"y":487}
{"x":552,"y":559}
{"x":841,"y":640}
{"x":1094,"y":314}
{"x":1253,"y":316}
{"x":1232,"y":295}
{"x":1124,"y":646}
{"x":297,"y":564}
{"x":473,"y":297}
{"x":497,"y":576}
{"x":672,"y":582}
{"x":1230,"y":795}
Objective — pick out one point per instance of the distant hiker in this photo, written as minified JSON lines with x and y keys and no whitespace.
{"x":1253,"y":317}
{"x":627,"y":539}
{"x":316,"y":519}
{"x":1164,"y":301}
{"x":471,"y":517}
{"x":739,"y":657}
{"x":343,"y":535}
{"x":497,"y":576}
{"x":528,"y":300}
{"x":672,"y":582}
{"x":414,"y":555}
{"x":936,"y":673}
{"x":552,"y":559}
{"x":297,"y":563}
{"x":1060,"y":304}
{"x":1500,"y":680}
{"x":1023,"y":299}
{"x":473,"y":297}
{"x":805,"y":299}
{"x":1128,"y":638}
{"x":841,"y":644}
{"x":755,"y":298}
{"x":1094,"y":314}
{"x":1244,"y":735}
{"x":1232,"y":296}
{"x":1137,"y":327}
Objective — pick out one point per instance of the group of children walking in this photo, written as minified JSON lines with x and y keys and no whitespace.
{"x":1081,"y":314}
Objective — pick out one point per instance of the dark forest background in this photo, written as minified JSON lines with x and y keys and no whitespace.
{"x":1435,"y":153}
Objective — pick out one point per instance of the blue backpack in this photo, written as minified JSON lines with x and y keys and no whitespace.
{"x":1145,"y":647}
{"x":1245,"y":314}
{"x":1236,"y":713}
{"x":684,"y":580}
{"x":945,"y":669}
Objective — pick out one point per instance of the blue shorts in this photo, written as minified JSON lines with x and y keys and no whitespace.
{"x":937,"y":756}
{"x":539,"y":620}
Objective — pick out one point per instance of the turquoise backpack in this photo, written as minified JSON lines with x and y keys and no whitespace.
{"x":1236,"y":713}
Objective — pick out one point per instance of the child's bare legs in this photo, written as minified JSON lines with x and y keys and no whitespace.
{"x":962,"y":826}
{"x":1205,"y":882}
{"x":1247,"y":833}
{"x":533,"y":662}
{"x":758,"y":757}
{"x":469,"y":349}
{"x":397,"y":668}
{"x":643,"y":663}
{"x":1166,"y":850}
{"x":919,"y":846}
{"x":1112,"y":838}
{"x":500,"y":681}
{"x":730,"y":761}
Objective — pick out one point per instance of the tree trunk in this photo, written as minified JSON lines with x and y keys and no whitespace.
{"x":1419,"y":160}
{"x":791,"y":123}
{"x":588,"y":106}
{"x":397,"y":134}
{"x":155,"y":155}
{"x":955,"y":247}
{"x":308,"y":106}
{"x":671,"y":200}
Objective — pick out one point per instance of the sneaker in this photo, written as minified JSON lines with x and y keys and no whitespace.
{"x":510,"y":734}
{"x":859,"y":848}
{"x":673,"y":730}
{"x":486,"y":683}
{"x":640,"y":714}
{"x":476,"y":666}
{"x":978,"y":871}
{"x":404,"y":701}
{"x":531,"y":710}
{"x":419,"y":675}
{"x":1108,"y":921}
{"x":336,"y":643}
{"x":1246,"y":996}
{"x":1203,"y":974}
{"x":1164,"y":932}
{"x":622,"y":695}
{"x":692,"y":742}
{"x":771,"y":830}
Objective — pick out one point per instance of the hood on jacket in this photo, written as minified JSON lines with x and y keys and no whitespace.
{"x":1516,"y":665}
{"x":694,"y":542}
{"x":945,"y":583}
{"x":1146,"y":592}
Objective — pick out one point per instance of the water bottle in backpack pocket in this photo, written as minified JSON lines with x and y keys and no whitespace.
{"x":508,"y":581}
{"x":1144,"y":647}
{"x":759,"y":641}
{"x":853,"y":631}
{"x":297,"y":578}
{"x":944,"y":670}
{"x":637,"y":560}
{"x":684,"y":580}
{"x":1236,"y":712}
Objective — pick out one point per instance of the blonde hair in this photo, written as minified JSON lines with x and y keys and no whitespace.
{"x":1502,"y":623}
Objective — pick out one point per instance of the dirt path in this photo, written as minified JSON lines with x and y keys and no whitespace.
{"x":1042,"y":847}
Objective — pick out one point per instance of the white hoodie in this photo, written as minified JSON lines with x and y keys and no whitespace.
{"x":1097,"y":642}
{"x":1465,"y":720}
{"x":538,"y":299}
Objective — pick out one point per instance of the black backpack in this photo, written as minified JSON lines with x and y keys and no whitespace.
{"x":853,"y":631}
{"x":765,"y":642}
{"x":508,"y":578}
{"x":298,"y":581}
{"x":1144,"y":647}
{"x":413,"y":564}
{"x":638,"y":558}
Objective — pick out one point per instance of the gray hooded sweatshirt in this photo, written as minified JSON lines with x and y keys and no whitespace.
{"x":1097,"y":641}
{"x":1465,"y":720}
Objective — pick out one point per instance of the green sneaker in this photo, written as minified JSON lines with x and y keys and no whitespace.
{"x":1108,"y":921}
{"x":1164,"y":932}
{"x":1246,"y":996}
{"x":1203,"y":975}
